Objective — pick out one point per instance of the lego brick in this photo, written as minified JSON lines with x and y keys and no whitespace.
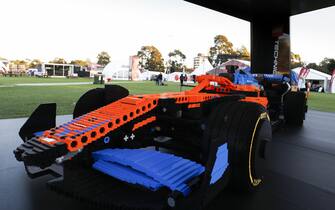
{"x":166,"y":169}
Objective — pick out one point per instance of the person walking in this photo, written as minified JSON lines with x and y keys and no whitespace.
{"x":308,"y":87}
{"x":182,"y":78}
{"x":160,"y":79}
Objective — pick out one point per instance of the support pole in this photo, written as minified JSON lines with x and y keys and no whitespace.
{"x":270,"y":44}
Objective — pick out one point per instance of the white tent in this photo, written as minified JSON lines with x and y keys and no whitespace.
{"x":116,"y":71}
{"x":238,"y":62}
{"x":315,"y":75}
{"x":231,"y":62}
{"x":205,"y":67}
{"x":151,"y":75}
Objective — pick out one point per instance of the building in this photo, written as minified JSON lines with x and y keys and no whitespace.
{"x":94,"y":69}
{"x":17,"y":68}
{"x":198,"y":60}
{"x":57,"y":70}
{"x":134,"y":71}
{"x":203,"y":68}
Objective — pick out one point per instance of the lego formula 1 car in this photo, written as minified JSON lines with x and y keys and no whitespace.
{"x":161,"y":151}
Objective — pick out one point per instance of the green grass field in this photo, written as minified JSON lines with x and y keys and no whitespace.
{"x":322,"y":102}
{"x":16,"y":101}
{"x":21,"y":101}
{"x":4,"y":81}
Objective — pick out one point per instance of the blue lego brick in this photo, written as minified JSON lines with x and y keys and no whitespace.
{"x":39,"y":133}
{"x":221,"y":163}
{"x":245,"y":79}
{"x":126,"y":174}
{"x":276,"y":78}
{"x":166,"y":169}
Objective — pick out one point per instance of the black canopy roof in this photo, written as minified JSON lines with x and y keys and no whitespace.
{"x":249,"y":9}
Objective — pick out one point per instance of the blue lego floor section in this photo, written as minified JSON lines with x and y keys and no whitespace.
{"x":149,"y":168}
{"x":123,"y":173}
{"x":221,"y":163}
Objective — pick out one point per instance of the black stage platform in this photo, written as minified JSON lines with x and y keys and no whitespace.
{"x":301,"y":173}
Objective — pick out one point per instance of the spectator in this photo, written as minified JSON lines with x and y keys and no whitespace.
{"x":308,"y":86}
{"x":160,"y":79}
{"x":194,"y":78}
{"x":182,"y":78}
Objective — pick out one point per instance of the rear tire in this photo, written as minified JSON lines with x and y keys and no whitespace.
{"x":295,"y":108}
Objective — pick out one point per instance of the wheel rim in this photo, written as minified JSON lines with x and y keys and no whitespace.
{"x":257,"y":148}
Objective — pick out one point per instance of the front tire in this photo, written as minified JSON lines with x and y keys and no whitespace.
{"x":246,"y":127}
{"x":247,"y":148}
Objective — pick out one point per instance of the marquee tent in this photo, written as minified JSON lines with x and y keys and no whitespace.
{"x":313,"y":76}
{"x":116,"y":71}
{"x":231,"y":62}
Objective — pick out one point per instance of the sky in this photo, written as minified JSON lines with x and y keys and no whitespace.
{"x":80,"y":29}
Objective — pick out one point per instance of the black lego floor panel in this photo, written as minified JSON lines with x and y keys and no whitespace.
{"x":300,"y":176}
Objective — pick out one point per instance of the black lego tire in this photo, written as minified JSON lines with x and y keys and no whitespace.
{"x":247,"y":147}
{"x":98,"y":97}
{"x":247,"y":129}
{"x":295,"y":108}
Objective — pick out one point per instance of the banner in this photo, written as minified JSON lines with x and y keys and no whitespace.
{"x":134,"y":67}
{"x":303,"y":72}
{"x":281,"y":51}
{"x":332,"y":80}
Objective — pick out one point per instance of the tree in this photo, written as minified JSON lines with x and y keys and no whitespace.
{"x":313,"y":66}
{"x":296,"y":58}
{"x":243,"y":53}
{"x":188,"y":70}
{"x":221,"y":51}
{"x":151,"y":59}
{"x":176,"y":61}
{"x":296,"y":61}
{"x":35,"y":63}
{"x":327,"y":65}
{"x":58,"y":61}
{"x":103,"y":58}
{"x":80,"y":63}
{"x":19,"y":62}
